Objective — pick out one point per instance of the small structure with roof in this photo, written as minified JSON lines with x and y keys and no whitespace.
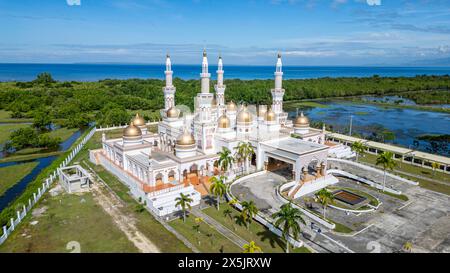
{"x":74,"y":179}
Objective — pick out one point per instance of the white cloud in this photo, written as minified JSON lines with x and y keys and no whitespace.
{"x":73,"y":2}
{"x":374,"y":2}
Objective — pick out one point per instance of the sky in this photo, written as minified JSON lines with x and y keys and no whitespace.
{"x":244,"y":32}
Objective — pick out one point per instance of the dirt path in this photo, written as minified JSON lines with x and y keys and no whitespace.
{"x":111,"y":204}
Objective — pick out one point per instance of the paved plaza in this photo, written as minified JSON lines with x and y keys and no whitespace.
{"x":423,"y":220}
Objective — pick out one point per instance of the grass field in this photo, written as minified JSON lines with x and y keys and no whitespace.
{"x":67,"y":218}
{"x":264,"y":238}
{"x":10,"y":175}
{"x":416,"y":170}
{"x":5,"y":117}
{"x":63,"y":133}
{"x":308,"y":104}
{"x":7,"y":129}
{"x":207,"y":240}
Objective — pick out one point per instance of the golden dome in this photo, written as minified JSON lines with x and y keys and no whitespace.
{"x":301,"y":121}
{"x":231,"y":106}
{"x":244,"y":116}
{"x":185,"y":139}
{"x":172,"y":112}
{"x":132,"y":131}
{"x":224,"y":122}
{"x":138,"y":120}
{"x":270,"y":115}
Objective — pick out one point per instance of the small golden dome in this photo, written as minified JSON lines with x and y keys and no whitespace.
{"x":185,"y":139}
{"x":132,"y":131}
{"x":224,"y":122}
{"x":301,"y":121}
{"x":231,"y":106}
{"x":172,"y":112}
{"x":138,"y":120}
{"x":270,"y":115}
{"x":244,"y":116}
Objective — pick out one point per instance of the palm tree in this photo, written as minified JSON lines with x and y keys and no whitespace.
{"x":325,"y":197}
{"x":386,"y":159}
{"x":249,"y":210}
{"x":218,"y":187}
{"x":251,"y":248}
{"x":184,"y":202}
{"x":228,"y":213}
{"x":289,"y":217}
{"x":225,"y":159}
{"x":408,"y":246}
{"x":233,"y":202}
{"x":435,"y":166}
{"x":359,"y":148}
{"x":245,"y":151}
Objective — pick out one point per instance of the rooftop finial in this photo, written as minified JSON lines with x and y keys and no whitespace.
{"x":204,"y":52}
{"x":167,"y":55}
{"x":279,"y":55}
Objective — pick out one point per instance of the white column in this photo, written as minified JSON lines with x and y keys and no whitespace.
{"x":205,"y":75}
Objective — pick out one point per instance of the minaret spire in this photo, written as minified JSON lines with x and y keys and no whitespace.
{"x":278,"y":92}
{"x":169,"y":90}
{"x":205,"y":75}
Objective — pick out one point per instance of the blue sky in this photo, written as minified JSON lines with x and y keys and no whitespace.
{"x":251,"y":32}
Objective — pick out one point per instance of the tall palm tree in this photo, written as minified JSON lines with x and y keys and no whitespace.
{"x":386,"y":159}
{"x":251,"y":248}
{"x":289,"y":217}
{"x":435,"y":166}
{"x":218,"y":187}
{"x":245,"y":151}
{"x":225,"y":159}
{"x":184,"y":202}
{"x":228,"y":213}
{"x":359,"y":148}
{"x":249,"y":210}
{"x":325,"y":197}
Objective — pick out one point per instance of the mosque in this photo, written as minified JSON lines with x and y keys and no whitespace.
{"x":184,"y":154}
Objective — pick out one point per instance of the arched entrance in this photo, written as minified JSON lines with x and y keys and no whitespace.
{"x":159,"y":180}
{"x":171,"y":175}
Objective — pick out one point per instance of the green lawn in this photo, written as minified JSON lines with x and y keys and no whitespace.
{"x":63,"y":133}
{"x":416,"y":170}
{"x":10,"y":175}
{"x":311,"y":104}
{"x":207,"y":240}
{"x":67,"y":218}
{"x":264,"y":238}
{"x":7,"y":129}
{"x":5,"y":117}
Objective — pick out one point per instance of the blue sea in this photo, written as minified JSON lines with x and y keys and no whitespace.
{"x":94,"y":72}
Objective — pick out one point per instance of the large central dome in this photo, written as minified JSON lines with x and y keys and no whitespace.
{"x":244,"y":116}
{"x":185,"y":139}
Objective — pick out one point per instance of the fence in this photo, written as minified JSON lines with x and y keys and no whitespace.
{"x":41,"y":190}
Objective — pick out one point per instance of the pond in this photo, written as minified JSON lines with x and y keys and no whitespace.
{"x":368,"y":119}
{"x":11,"y":194}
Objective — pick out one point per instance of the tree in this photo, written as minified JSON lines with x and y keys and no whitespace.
{"x":435,"y":166}
{"x":249,"y":210}
{"x":386,"y":160}
{"x":44,"y":78}
{"x":288,"y":217}
{"x":408,"y":246}
{"x":244,"y":151}
{"x":41,"y":120}
{"x":228,"y":213}
{"x":184,"y":202}
{"x":218,"y":187}
{"x":251,"y":248}
{"x":225,"y":159}
{"x":359,"y":148}
{"x":325,"y":197}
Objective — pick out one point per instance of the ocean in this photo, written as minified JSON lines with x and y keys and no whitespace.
{"x":94,"y":72}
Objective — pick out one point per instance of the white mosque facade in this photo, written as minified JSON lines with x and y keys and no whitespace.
{"x":180,"y":158}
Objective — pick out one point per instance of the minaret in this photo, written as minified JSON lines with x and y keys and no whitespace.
{"x":205,"y":75}
{"x":169,"y":89}
{"x":278,"y":91}
{"x":220,"y":87}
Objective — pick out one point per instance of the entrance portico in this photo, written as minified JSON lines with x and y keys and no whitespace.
{"x":292,"y":154}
